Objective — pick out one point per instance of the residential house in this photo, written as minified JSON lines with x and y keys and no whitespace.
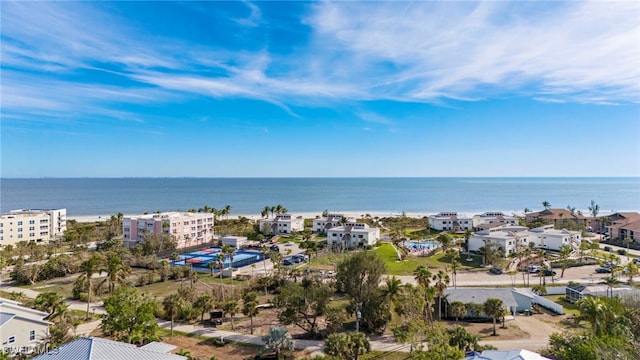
{"x":94,"y":348}
{"x":353,"y":234}
{"x":450,"y":221}
{"x":579,"y":292}
{"x":514,"y":300}
{"x":22,"y":330}
{"x":39,"y":226}
{"x":282,"y":224}
{"x":323,"y":224}
{"x":186,"y":228}
{"x":556,"y":215}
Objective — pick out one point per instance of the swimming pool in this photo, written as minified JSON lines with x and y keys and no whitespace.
{"x":421,"y":245}
{"x":199,"y":260}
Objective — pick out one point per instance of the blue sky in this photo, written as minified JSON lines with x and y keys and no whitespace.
{"x":328,"y":89}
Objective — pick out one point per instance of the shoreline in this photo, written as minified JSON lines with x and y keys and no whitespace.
{"x":313,"y":215}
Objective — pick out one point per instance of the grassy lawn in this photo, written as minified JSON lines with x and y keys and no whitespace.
{"x":436,"y":261}
{"x":569,"y":308}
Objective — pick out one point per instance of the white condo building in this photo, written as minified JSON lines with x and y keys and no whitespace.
{"x":187,"y":228}
{"x":494,"y":217}
{"x":282,"y":224}
{"x":353,"y":234}
{"x":32,"y":225}
{"x":510,"y":238}
{"x":450,"y":221}
{"x":323,"y":224}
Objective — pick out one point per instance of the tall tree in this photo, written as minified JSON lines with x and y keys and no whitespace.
{"x":89,"y":267}
{"x":546,"y":204}
{"x":494,"y":308}
{"x":229,"y":251}
{"x":117,"y":271}
{"x":250,"y":307}
{"x":303,"y":304}
{"x":172,"y":305}
{"x":565,"y":252}
{"x":220,"y":260}
{"x":359,"y":277}
{"x":231,"y":307}
{"x":130,"y":316}
{"x":594,"y":209}
{"x":204,"y":303}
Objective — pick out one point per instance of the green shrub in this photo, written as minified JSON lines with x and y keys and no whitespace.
{"x":622,"y":252}
{"x":607,"y":248}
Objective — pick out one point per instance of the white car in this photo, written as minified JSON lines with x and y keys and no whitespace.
{"x":331,"y":273}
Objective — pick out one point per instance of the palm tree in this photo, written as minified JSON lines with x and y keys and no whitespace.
{"x":594,"y":209}
{"x":212,"y":265}
{"x":172,"y":305}
{"x":228,"y":250}
{"x":230,"y":307}
{"x":227,"y":210}
{"x":458,"y":309}
{"x":593,"y":309}
{"x":220,"y":260}
{"x":117,"y":271}
{"x":423,"y":277}
{"x":205,"y":303}
{"x":494,"y":308}
{"x":265,"y":212}
{"x":632,"y":270}
{"x":441,"y":281}
{"x":546,"y":205}
{"x":565,"y":251}
{"x":393,"y":289}
{"x":250,"y":307}
{"x":87,"y":268}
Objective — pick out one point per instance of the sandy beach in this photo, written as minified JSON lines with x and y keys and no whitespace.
{"x":306,"y":215}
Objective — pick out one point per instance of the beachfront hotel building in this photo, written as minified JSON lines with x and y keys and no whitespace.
{"x":187,"y":228}
{"x":323,"y":224}
{"x":450,"y":221}
{"x":353,"y":234}
{"x":282,"y":224}
{"x":512,"y":238}
{"x":39,"y":226}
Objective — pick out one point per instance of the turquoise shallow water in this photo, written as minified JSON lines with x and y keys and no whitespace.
{"x":95,"y":196}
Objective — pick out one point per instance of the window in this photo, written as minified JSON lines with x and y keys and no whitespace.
{"x":12,"y":339}
{"x":19,"y":236}
{"x":32,"y":335}
{"x":19,"y":223}
{"x":31,"y":222}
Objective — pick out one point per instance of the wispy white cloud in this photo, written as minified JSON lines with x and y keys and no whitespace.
{"x":580,"y":51}
{"x":358,"y":51}
{"x":254,"y":17}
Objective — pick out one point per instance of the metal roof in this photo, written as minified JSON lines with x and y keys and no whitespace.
{"x":102,"y":349}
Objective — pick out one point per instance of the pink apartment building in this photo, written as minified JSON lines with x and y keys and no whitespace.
{"x":187,"y":228}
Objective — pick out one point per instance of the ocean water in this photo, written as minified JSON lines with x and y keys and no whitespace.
{"x":97,"y":196}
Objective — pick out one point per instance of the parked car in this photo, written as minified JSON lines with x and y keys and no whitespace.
{"x":287,"y":261}
{"x":495,"y":271}
{"x":603,"y":270}
{"x":301,"y":257}
{"x":534,"y":269}
{"x":288,"y":243}
{"x":331,"y":273}
{"x":274,"y":248}
{"x":549,"y":273}
{"x":636,"y":261}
